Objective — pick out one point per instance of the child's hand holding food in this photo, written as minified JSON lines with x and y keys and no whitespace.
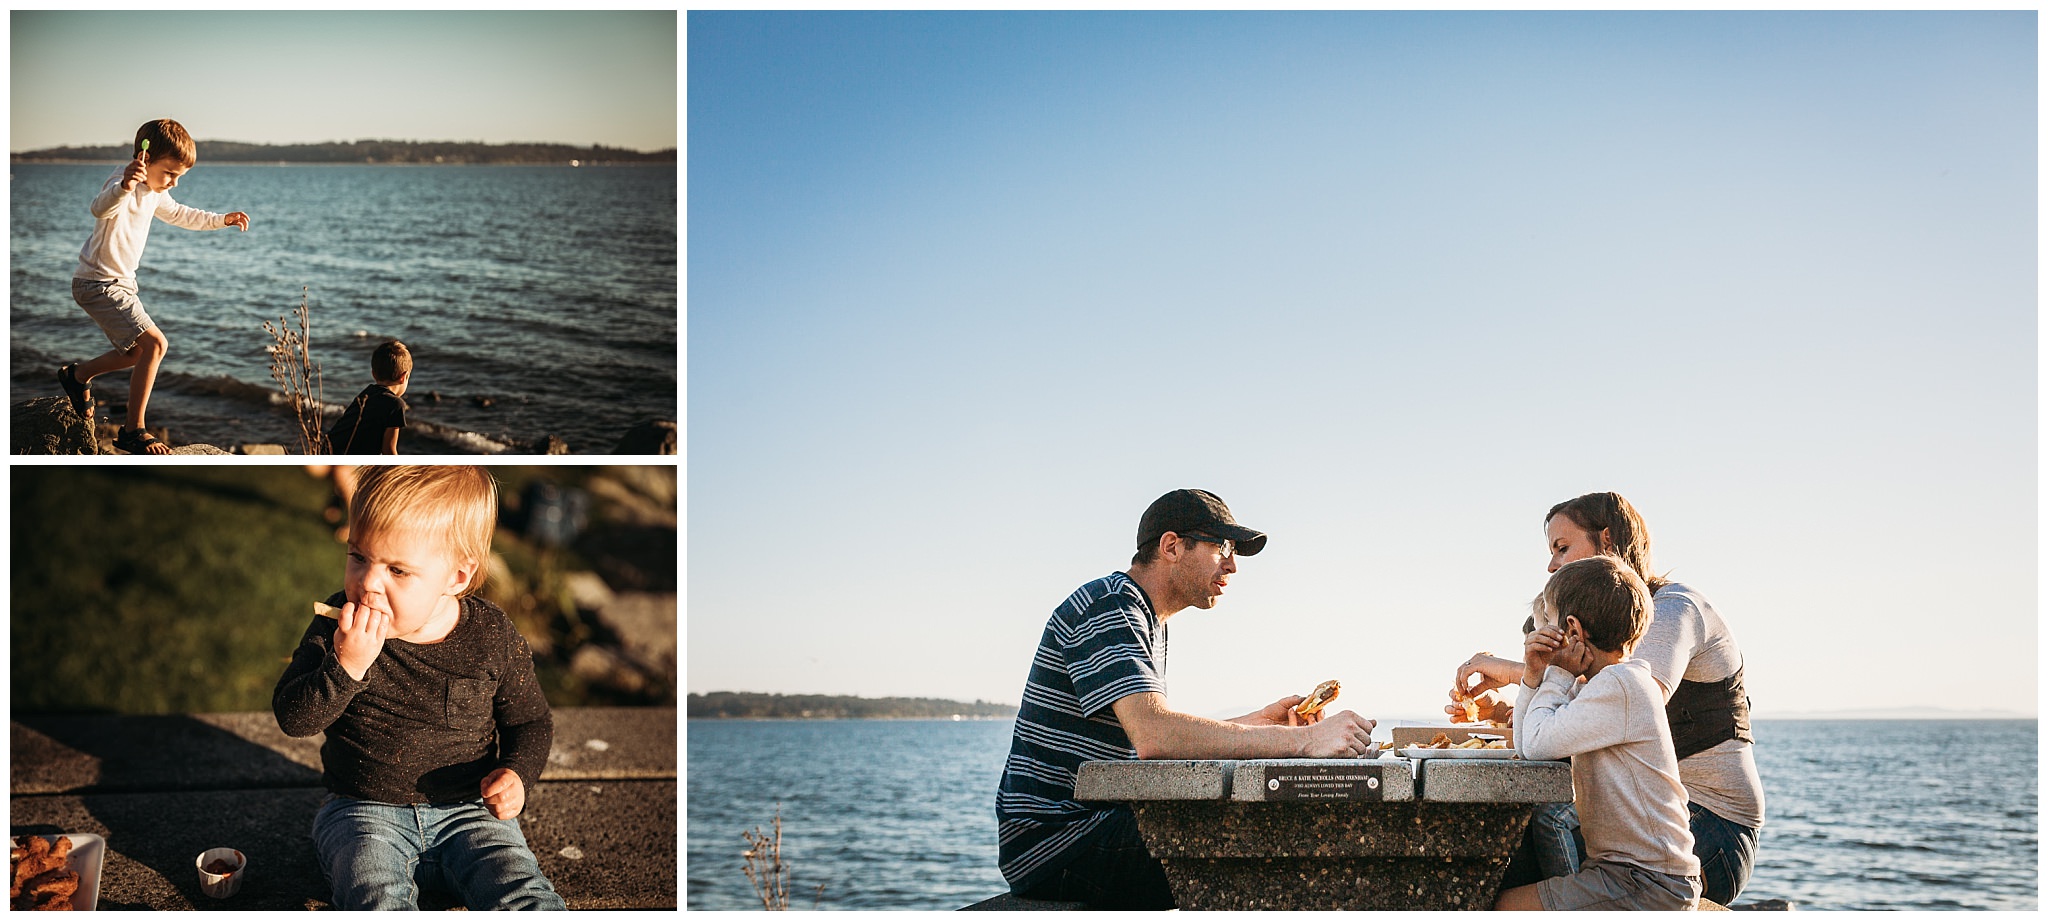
{"x":238,"y":219}
{"x":138,"y":169}
{"x":360,"y":636}
{"x":504,"y":793}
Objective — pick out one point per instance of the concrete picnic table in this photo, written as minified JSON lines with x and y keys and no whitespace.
{"x":1380,"y":833}
{"x":161,"y":789}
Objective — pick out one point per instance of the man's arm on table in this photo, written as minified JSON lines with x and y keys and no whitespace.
{"x":1159,"y":732}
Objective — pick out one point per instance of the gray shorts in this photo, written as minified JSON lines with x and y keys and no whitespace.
{"x":116,"y":307}
{"x":1603,"y":886}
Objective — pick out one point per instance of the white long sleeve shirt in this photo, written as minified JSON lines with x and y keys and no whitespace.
{"x":121,"y":228}
{"x":1624,"y":770}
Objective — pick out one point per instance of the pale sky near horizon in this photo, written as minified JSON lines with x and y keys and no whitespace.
{"x":86,"y":78}
{"x":968,"y":291}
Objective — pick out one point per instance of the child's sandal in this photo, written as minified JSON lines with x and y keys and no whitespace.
{"x":81,"y":396}
{"x":134,"y":441}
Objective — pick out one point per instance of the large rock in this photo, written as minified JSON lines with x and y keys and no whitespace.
{"x":645,"y":623}
{"x":641,"y":497}
{"x":108,"y":431}
{"x":48,"y":425}
{"x":655,"y":437}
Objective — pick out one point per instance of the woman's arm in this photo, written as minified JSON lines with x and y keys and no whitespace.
{"x":1494,"y":672}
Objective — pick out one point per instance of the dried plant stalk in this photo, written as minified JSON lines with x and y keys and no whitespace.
{"x":765,"y":868}
{"x":293,"y":368}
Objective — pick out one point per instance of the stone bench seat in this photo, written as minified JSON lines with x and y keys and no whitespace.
{"x":161,"y":789}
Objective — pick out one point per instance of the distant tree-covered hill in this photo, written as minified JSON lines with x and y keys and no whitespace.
{"x":414,"y":152}
{"x":734,"y":705}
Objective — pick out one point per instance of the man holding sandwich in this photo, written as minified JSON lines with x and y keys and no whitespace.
{"x":1097,"y":692}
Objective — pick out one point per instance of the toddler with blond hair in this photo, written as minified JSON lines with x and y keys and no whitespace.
{"x":436,"y":727}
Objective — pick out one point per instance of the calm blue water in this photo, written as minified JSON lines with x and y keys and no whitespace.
{"x":548,"y":291}
{"x":1917,"y":814}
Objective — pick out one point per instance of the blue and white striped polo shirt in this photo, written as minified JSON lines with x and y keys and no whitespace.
{"x":1103,"y":644}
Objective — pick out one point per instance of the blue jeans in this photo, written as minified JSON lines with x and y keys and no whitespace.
{"x":1560,"y":846}
{"x":377,"y":855}
{"x":1727,"y":852}
{"x":1726,"y":849}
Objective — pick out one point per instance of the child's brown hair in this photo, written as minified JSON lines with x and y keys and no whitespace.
{"x":1607,"y":598}
{"x":166,"y":139}
{"x":391,"y":362}
{"x":456,"y":503}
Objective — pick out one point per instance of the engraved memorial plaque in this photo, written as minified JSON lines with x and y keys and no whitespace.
{"x":1333,"y":782}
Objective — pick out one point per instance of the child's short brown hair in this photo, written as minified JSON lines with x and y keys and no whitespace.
{"x":458,"y":504}
{"x":1610,"y":602}
{"x":166,"y":139}
{"x":391,"y":362}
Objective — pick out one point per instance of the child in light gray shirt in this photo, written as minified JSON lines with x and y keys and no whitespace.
{"x":1625,"y":784}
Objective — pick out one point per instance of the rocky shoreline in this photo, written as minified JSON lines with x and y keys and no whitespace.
{"x":49,"y":426}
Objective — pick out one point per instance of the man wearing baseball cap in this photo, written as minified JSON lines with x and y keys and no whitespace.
{"x":1097,"y":692}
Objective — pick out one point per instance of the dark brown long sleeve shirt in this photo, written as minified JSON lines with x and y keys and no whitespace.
{"x":426,"y":723}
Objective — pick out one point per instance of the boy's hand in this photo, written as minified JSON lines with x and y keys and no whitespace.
{"x":138,"y":169}
{"x":504,"y":793}
{"x":361,"y":635}
{"x":1538,"y":648}
{"x":1575,"y":655}
{"x":238,"y":219}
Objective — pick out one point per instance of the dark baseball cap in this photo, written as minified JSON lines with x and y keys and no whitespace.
{"x":1194,"y":510}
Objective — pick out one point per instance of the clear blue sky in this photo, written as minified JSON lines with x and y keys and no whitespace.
{"x":281,"y":78}
{"x":967,"y":291}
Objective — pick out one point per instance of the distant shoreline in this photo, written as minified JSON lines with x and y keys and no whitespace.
{"x":750,"y":705}
{"x":373,"y":152}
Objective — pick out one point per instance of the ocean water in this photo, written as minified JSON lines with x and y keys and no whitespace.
{"x":1914,"y":814}
{"x":536,"y":300}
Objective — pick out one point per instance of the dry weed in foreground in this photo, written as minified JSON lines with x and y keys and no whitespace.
{"x":766,"y":870}
{"x":292,"y":367}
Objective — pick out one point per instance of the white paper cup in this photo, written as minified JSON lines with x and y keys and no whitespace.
{"x":221,"y":885}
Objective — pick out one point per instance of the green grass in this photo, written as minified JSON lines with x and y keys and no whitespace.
{"x":185,"y":589}
{"x":160,"y":590}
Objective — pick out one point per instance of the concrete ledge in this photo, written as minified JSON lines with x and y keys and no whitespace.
{"x":231,"y":751}
{"x":1385,"y":780}
{"x":161,"y":789}
{"x":603,"y":845}
{"x":1132,"y":781}
{"x":1458,"y":780}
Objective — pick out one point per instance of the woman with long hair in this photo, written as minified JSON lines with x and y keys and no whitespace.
{"x":1694,"y":658}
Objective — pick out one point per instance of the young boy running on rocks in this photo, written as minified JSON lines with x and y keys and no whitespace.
{"x":104,"y":283}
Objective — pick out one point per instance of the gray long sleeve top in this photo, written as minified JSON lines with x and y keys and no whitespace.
{"x":427,"y":722}
{"x":1624,"y":770}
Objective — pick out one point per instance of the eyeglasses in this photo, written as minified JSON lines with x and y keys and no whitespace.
{"x":1229,"y":546}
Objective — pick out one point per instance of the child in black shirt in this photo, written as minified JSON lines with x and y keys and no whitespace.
{"x":436,"y":727}
{"x":372,"y":422}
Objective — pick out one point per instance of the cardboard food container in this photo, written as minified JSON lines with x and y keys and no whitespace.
{"x":1421,"y":734}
